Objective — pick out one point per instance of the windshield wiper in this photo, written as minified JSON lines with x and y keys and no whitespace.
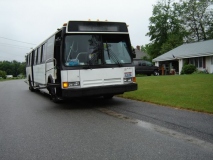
{"x":68,"y":56}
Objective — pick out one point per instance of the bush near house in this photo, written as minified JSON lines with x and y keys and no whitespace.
{"x":188,"y":69}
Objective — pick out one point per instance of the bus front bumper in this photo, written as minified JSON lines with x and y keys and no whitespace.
{"x":99,"y":91}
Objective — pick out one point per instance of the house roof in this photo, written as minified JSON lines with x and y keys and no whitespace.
{"x":140,"y":54}
{"x":197,"y":49}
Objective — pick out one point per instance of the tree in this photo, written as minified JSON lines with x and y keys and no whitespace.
{"x":164,"y":23}
{"x":13,"y":68}
{"x":173,"y":24}
{"x":173,"y":41}
{"x":3,"y":74}
{"x":197,"y":17}
{"x":22,"y":68}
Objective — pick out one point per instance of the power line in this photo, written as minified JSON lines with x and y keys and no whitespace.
{"x":12,"y":53}
{"x":17,"y":40}
{"x":21,"y":47}
{"x":12,"y":56}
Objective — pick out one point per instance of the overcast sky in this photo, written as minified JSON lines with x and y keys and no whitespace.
{"x":33,"y":21}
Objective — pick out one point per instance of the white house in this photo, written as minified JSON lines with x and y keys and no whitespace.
{"x":139,"y":54}
{"x":199,"y":53}
{"x":9,"y":76}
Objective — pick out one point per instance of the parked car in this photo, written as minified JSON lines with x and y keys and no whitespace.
{"x":145,"y":67}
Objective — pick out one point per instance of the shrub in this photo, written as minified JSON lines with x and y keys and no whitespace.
{"x":201,"y":72}
{"x":188,"y":69}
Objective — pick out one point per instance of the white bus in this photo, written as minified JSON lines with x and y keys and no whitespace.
{"x":83,"y":58}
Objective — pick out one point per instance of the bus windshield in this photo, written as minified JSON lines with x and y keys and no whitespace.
{"x":96,"y":50}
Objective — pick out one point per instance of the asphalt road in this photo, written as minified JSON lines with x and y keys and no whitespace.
{"x":33,"y":127}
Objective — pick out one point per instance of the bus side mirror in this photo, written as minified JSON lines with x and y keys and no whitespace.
{"x":133,"y":53}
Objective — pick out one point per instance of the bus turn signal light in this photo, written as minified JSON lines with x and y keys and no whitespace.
{"x":65,"y":84}
{"x":134,"y":79}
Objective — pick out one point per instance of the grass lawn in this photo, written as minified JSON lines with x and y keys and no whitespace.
{"x":193,"y":92}
{"x":8,"y":79}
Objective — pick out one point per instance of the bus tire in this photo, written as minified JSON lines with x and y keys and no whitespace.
{"x":52,"y":92}
{"x":30,"y":85}
{"x":108,"y":96}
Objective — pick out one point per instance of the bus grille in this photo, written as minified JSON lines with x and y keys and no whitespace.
{"x":101,"y":82}
{"x":112,"y":81}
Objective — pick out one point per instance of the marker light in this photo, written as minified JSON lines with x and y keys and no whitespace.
{"x":134,"y":79}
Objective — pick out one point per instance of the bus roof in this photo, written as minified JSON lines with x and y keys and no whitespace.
{"x":80,"y":27}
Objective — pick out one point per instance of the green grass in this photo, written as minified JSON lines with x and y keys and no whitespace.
{"x":193,"y":92}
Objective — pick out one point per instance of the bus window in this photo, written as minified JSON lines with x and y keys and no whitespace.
{"x":115,"y":49}
{"x":82,"y":50}
{"x":50,"y":47}
{"x":44,"y":52}
{"x":38,"y":55}
{"x":41,"y":57}
{"x":26,"y":57}
{"x":29,"y":58}
{"x":35,"y":55}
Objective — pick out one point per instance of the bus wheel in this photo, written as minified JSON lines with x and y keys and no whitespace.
{"x":108,"y":96}
{"x":54,"y":97}
{"x":31,"y":86}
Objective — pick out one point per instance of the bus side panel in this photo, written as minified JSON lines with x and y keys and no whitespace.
{"x":28,"y":72}
{"x":39,"y":73}
{"x":40,"y":69}
{"x":50,"y":71}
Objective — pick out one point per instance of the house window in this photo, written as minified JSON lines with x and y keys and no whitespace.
{"x":191,"y":61}
{"x":198,"y":62}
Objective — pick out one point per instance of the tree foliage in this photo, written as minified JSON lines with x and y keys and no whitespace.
{"x":173,"y":41}
{"x":13,"y":68}
{"x":3,"y":74}
{"x":173,"y":24}
{"x":197,"y":17}
{"x":164,"y":25}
